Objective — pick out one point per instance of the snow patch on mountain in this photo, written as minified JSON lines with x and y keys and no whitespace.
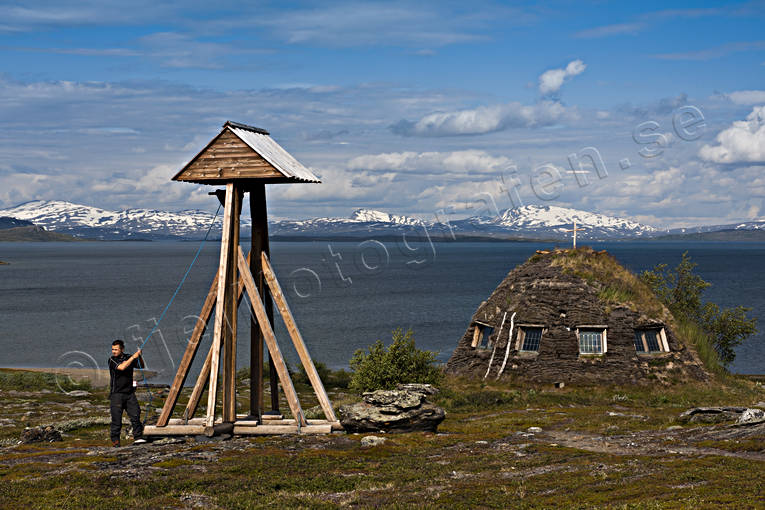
{"x":87,"y":221}
{"x":551,"y":216}
{"x":527,"y":221}
{"x":371,"y":216}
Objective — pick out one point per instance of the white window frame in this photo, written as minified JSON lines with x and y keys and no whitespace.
{"x":593,"y":327}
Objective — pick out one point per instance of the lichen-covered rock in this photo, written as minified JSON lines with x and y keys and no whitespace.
{"x":404,"y":409}
{"x":425,"y":389}
{"x":40,"y":434}
{"x":751,"y":416}
{"x":370,"y":441}
{"x":393,"y":401}
{"x":711,"y":414}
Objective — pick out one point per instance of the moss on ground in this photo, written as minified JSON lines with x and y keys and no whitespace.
{"x":482,"y":456}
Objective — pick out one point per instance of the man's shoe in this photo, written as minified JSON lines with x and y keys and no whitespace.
{"x":116,"y":443}
{"x":140,"y":440}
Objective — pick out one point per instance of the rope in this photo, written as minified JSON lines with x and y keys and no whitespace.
{"x":183,"y":280}
{"x":162,"y":315}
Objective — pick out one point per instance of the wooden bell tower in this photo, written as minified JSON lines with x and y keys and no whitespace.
{"x":243,"y":159}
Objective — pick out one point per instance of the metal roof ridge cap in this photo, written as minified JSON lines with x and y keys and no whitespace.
{"x":231,"y":123}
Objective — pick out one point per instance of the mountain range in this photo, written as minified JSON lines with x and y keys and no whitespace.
{"x":526,"y":222}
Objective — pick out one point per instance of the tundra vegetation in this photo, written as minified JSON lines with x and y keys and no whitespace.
{"x":503,"y":443}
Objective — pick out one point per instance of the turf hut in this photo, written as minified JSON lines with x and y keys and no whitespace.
{"x":574,"y":316}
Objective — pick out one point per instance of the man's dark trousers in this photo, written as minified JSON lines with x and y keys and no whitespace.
{"x":128,"y":402}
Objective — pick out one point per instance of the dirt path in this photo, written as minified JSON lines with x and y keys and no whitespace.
{"x":662,"y":442}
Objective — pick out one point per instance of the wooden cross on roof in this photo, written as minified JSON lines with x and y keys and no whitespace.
{"x":575,"y":230}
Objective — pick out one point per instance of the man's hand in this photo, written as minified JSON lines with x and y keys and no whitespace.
{"x":127,"y":362}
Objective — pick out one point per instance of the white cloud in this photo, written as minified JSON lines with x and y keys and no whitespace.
{"x":390,"y":23}
{"x":747,"y":96}
{"x":177,"y":50}
{"x":712,"y":53}
{"x":484,"y":119}
{"x":742,"y":142}
{"x":457,"y":162}
{"x":551,"y":81}
{"x":647,"y":21}
{"x":607,"y":30}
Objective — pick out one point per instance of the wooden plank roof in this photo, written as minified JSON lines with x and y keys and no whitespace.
{"x":244,"y":153}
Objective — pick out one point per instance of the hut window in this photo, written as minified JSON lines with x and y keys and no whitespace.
{"x":480,"y":333}
{"x":650,"y":340}
{"x":531,"y":337}
{"x":592,"y":340}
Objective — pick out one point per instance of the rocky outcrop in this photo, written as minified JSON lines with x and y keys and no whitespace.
{"x":751,"y":417}
{"x":46,"y":434}
{"x":404,"y":409}
{"x":712,"y":414}
{"x":372,"y":441}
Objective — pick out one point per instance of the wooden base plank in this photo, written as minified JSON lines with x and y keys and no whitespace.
{"x":316,"y":429}
{"x":243,"y":427}
{"x":265,"y":430}
{"x":174,"y":430}
{"x":181,"y":421}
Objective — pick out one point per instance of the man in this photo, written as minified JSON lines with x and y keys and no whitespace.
{"x":122,"y":392}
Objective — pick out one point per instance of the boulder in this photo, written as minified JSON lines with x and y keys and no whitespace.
{"x":40,"y":434}
{"x":711,"y":414}
{"x":370,"y":441}
{"x":404,"y":409}
{"x":751,"y":416}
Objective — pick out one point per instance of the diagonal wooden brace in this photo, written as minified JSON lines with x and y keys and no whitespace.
{"x":199,"y":387}
{"x":188,"y":356}
{"x":297,"y":339}
{"x":268,"y":334}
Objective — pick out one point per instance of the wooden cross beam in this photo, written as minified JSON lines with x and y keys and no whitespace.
{"x":575,"y":230}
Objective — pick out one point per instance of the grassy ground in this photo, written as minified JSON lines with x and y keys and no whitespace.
{"x":599,"y":447}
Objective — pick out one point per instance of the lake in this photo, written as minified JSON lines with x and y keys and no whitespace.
{"x":63,"y":303}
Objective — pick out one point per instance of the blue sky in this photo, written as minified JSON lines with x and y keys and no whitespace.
{"x":418,"y":108}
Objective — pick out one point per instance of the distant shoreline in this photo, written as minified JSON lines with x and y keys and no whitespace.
{"x":98,"y":377}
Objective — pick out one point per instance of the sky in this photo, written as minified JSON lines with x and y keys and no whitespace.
{"x":654,"y":111}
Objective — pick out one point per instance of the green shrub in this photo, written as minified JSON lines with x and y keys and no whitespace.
{"x":681,"y":291}
{"x":401,"y":362}
{"x":330,"y":378}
